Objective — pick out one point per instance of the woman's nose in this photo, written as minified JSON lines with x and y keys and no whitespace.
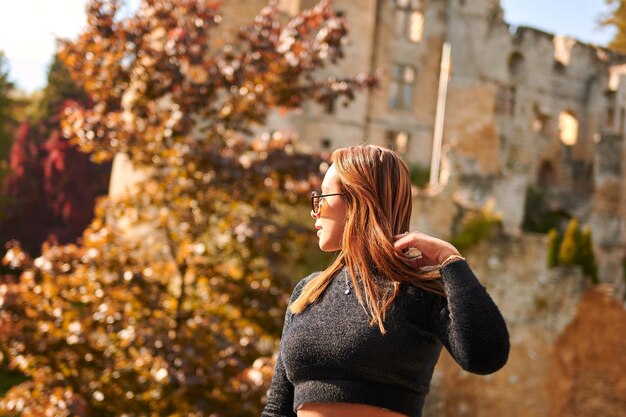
{"x":314,"y":215}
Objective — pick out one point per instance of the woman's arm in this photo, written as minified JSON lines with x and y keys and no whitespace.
{"x":468,"y":322}
{"x":280,"y":397}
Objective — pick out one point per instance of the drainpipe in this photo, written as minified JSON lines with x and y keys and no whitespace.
{"x":444,"y":76}
{"x":372,"y":64}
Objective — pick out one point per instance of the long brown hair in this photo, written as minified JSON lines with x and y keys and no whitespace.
{"x":376,"y":186}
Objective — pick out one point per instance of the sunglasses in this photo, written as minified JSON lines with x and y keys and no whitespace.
{"x":316,"y":200}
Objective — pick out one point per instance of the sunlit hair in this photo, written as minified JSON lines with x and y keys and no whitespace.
{"x":377,"y":190}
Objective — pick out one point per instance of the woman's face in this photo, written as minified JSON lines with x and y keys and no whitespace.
{"x":331,"y":218}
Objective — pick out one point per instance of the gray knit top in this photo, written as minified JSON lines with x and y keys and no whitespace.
{"x":331,"y":353}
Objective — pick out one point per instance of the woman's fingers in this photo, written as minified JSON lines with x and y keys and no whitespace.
{"x":413,"y":262}
{"x":409,"y":247}
{"x":422,"y":247}
{"x":405,"y":240}
{"x":414,"y":240}
{"x":412,"y":252}
{"x":417,"y":262}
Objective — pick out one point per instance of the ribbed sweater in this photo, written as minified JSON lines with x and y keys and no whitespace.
{"x":330,"y":353}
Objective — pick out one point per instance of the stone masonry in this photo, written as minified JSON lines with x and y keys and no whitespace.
{"x":524,"y":109}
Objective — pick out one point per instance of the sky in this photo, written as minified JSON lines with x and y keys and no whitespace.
{"x":28,"y":28}
{"x":575,"y":18}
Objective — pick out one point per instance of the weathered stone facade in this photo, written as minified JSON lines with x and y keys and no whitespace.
{"x":524,"y":108}
{"x":537,"y":303}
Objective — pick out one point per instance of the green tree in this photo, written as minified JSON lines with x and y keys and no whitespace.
{"x":173,"y":302}
{"x":60,"y":88}
{"x":574,"y":247}
{"x":554,"y":242}
{"x":420,"y":175}
{"x":538,"y":216}
{"x":587,"y":257}
{"x":616,"y":17}
{"x":7,"y":120}
{"x":475,"y":227}
{"x":569,"y":250}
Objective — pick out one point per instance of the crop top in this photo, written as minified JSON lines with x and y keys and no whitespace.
{"x":330,"y":353}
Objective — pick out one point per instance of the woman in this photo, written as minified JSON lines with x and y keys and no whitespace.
{"x":362,"y":337}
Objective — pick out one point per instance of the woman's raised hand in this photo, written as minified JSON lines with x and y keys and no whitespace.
{"x":420,"y":249}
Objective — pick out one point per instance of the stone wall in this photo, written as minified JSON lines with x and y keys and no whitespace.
{"x":608,"y":219}
{"x":586,"y":375}
{"x":510,"y":90}
{"x":537,"y":304}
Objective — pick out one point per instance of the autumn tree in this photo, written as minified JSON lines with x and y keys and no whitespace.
{"x":173,"y":302}
{"x":616,"y":18}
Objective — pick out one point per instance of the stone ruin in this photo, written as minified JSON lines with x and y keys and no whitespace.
{"x":524,"y":109}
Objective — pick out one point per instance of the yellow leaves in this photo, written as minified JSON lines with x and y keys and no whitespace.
{"x":260,"y":373}
{"x":157,"y":38}
{"x":196,"y":74}
{"x":14,"y":257}
{"x":98,"y":157}
{"x":226,"y":110}
{"x":235,"y":271}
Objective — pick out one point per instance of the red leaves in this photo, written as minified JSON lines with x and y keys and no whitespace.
{"x":48,"y":194}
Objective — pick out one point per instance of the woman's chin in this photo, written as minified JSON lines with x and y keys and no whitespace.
{"x":325,"y":247}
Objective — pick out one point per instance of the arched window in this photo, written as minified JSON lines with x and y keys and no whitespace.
{"x":326,"y":143}
{"x":398,"y":141}
{"x":568,"y":128}
{"x":546,"y":177}
{"x":516,"y":66}
{"x":541,"y":120}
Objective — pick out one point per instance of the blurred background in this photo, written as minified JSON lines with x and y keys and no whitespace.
{"x":155,"y":162}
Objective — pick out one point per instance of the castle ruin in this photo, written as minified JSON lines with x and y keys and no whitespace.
{"x":524,"y":109}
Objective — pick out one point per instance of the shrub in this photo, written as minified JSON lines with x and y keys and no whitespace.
{"x":420,"y":175}
{"x":538,"y":217}
{"x":475,"y":228}
{"x":569,"y":251}
{"x":587,"y":257}
{"x":554,"y":241}
{"x":574,"y":247}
